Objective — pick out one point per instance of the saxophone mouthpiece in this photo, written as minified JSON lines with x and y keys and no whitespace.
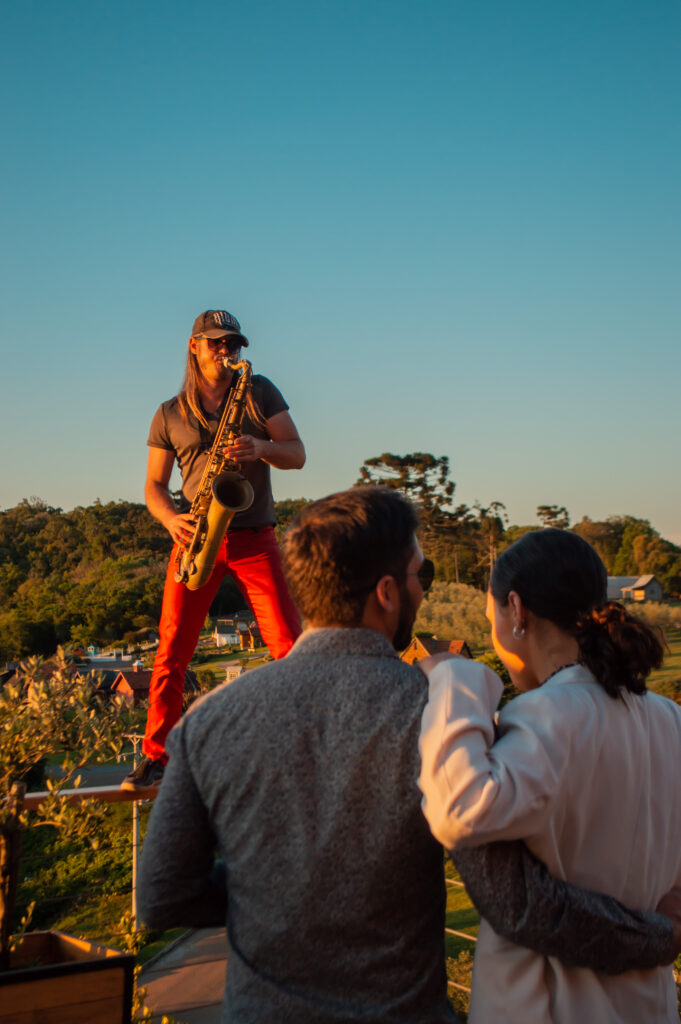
{"x":230,"y":363}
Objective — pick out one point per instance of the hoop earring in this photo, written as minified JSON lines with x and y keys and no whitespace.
{"x":518,"y":634}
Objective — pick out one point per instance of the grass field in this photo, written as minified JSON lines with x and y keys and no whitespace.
{"x":216,"y":660}
{"x":461,"y":916}
{"x":670,"y":673}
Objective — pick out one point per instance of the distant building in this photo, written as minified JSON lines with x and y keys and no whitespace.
{"x":646,"y":588}
{"x":133,"y":684}
{"x":233,"y":672}
{"x":226,"y":633}
{"x":634,"y":588}
{"x":106,"y":677}
{"x":14,"y":669}
{"x":249,"y":636}
{"x":423,"y":646}
{"x":110,"y":659}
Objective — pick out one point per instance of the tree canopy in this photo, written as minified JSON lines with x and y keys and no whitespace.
{"x":90,"y":574}
{"x":96,"y":574}
{"x":461,"y":541}
{"x":423,"y":478}
{"x":556,"y":516}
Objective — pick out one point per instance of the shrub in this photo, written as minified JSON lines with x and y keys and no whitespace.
{"x":459,"y":971}
{"x":50,"y":712}
{"x":665,"y":616}
{"x":455,"y":611}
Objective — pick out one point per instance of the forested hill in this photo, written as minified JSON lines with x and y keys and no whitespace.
{"x":91,"y":575}
{"x":96,"y":574}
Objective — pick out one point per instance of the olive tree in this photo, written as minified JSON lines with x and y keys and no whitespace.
{"x":49,"y":711}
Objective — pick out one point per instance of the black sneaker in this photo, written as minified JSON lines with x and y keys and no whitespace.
{"x":148,"y":773}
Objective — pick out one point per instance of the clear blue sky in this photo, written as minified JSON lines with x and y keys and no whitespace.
{"x":445,"y":226}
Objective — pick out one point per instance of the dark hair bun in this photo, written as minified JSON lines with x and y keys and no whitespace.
{"x":619,"y":649}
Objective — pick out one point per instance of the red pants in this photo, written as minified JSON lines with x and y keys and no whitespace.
{"x":252,"y":557}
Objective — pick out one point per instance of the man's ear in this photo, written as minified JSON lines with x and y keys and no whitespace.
{"x":387,"y":593}
{"x":381,"y":610}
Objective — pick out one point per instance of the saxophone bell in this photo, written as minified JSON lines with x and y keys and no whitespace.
{"x":231,"y":493}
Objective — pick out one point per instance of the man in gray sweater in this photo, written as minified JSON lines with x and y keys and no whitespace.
{"x":290,"y":809}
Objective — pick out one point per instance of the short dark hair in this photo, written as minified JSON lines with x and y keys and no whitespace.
{"x":559,"y":577}
{"x":338,"y":548}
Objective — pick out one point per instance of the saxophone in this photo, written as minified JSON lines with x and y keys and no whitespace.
{"x":223,"y":491}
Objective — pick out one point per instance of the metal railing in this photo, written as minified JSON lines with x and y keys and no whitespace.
{"x":109,"y":795}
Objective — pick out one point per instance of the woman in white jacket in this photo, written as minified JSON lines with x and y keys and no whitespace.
{"x":584,"y":765}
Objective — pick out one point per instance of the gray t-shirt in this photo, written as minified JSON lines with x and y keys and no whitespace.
{"x":190,"y":443}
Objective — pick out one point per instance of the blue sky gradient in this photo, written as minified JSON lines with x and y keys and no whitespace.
{"x":447,"y":226}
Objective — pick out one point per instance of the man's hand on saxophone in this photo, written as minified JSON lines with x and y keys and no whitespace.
{"x":247,"y":448}
{"x":159,"y":500}
{"x":181,"y":528}
{"x":283,"y":449}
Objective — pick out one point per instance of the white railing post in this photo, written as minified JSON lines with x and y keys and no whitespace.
{"x":135,"y":835}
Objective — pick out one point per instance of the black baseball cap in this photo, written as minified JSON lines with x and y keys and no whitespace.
{"x":215,"y":323}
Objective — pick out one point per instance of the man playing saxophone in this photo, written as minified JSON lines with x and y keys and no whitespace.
{"x":182,"y":431}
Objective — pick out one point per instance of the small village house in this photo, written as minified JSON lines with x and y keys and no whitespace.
{"x":249,"y":636}
{"x":133,"y":684}
{"x":634,"y":588}
{"x":233,"y":672}
{"x":423,"y":646}
{"x":226,"y":633}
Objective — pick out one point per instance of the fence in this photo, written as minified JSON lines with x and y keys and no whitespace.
{"x":72,"y":882}
{"x":109,"y":795}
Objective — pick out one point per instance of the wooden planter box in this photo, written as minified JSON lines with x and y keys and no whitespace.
{"x":56,"y":979}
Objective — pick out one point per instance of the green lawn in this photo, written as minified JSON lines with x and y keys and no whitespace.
{"x":462,"y":916}
{"x":667,"y":680}
{"x":210,"y":664}
{"x":87,"y":892}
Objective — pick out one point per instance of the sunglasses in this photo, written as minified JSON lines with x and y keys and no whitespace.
{"x":233,"y":344}
{"x":425,"y":574}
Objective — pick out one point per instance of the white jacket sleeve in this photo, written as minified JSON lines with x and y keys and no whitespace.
{"x":475,"y":790}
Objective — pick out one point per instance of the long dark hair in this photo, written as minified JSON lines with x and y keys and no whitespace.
{"x":189,"y":397}
{"x":559,"y":577}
